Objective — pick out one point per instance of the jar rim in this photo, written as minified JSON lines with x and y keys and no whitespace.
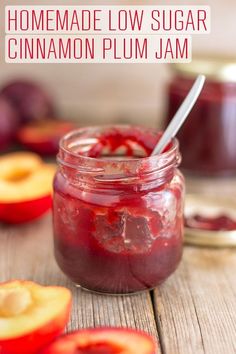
{"x":216,"y":68}
{"x":158,"y":168}
{"x":174,"y":145}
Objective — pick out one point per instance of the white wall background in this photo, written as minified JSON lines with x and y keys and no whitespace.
{"x":100,"y":93}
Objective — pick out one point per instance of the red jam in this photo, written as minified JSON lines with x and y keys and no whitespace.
{"x":117,"y":216}
{"x":217,"y":223}
{"x":207,"y":138}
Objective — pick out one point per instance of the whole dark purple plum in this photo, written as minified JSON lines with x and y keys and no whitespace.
{"x":29,"y":99}
{"x":9,"y":122}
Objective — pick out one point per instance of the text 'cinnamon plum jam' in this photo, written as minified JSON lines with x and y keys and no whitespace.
{"x":118,"y":213}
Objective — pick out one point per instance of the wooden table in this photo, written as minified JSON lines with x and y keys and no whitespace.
{"x":193,"y":312}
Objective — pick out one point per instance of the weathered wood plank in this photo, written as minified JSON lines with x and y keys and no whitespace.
{"x":26,"y":252}
{"x":196,"y":307}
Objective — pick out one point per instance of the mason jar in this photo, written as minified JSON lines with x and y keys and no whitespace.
{"x":207,"y":138}
{"x":118,"y":212}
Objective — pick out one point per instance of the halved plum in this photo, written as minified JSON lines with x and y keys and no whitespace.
{"x":25,"y":187}
{"x":43,"y":136}
{"x":31,"y":315}
{"x":103,"y":341}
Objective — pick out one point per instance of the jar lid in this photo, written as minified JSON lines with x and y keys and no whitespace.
{"x":221,"y":69}
{"x":200,"y":208}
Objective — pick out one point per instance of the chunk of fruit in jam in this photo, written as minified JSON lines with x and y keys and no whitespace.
{"x":123,"y":232}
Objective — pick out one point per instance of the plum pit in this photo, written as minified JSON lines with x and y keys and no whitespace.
{"x":14,"y":301}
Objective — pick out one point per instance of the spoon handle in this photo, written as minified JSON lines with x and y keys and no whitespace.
{"x":180,"y":115}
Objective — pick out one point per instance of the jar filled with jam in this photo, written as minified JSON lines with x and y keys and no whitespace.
{"x":207,"y":139}
{"x":118,"y":212}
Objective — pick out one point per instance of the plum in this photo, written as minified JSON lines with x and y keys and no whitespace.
{"x":25,"y":188}
{"x":103,"y":341}
{"x":43,"y":136}
{"x":32,"y":315}
{"x":9,"y":123}
{"x":29,"y":99}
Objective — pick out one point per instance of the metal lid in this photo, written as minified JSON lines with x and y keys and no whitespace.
{"x":210,"y":206}
{"x":221,"y":69}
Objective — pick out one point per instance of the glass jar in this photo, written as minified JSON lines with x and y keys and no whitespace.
{"x":207,"y":139}
{"x":118,"y":215}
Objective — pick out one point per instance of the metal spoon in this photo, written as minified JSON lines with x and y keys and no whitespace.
{"x":180,"y":115}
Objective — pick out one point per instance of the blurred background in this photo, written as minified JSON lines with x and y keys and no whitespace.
{"x":148,"y":94}
{"x":117,"y":93}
